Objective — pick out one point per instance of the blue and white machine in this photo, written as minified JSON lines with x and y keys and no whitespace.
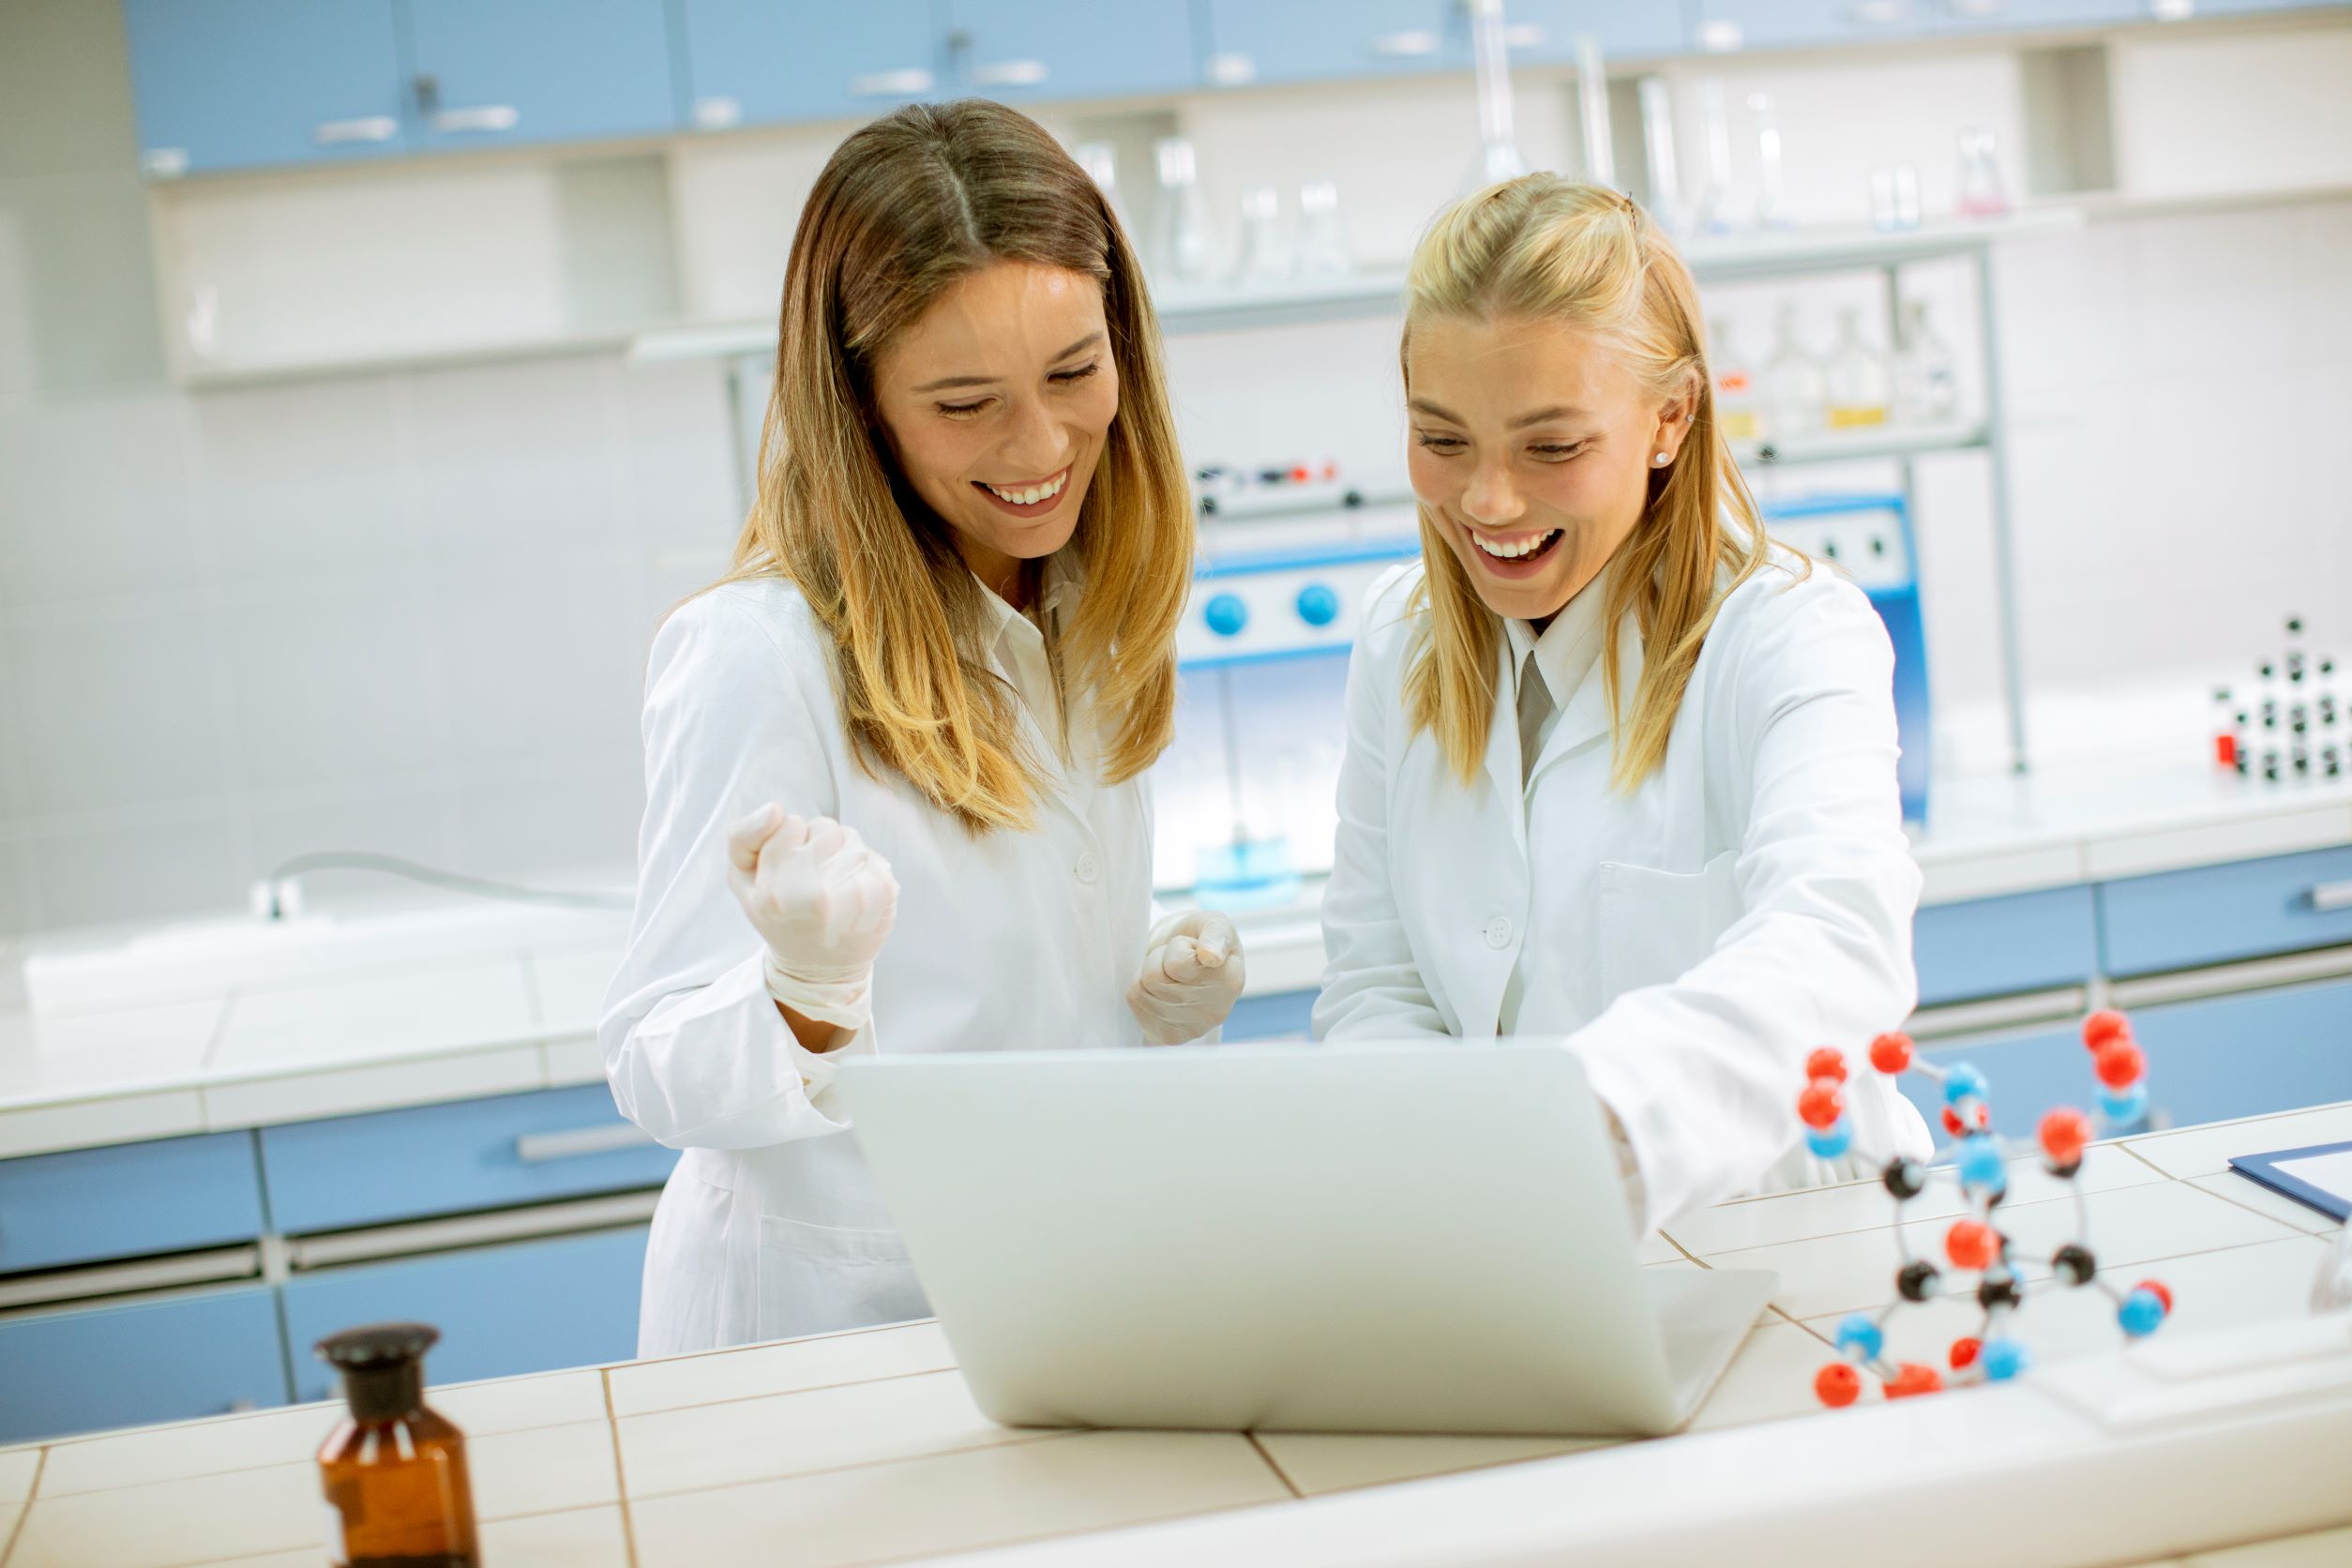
{"x":1868,"y":536}
{"x":1245,"y":796}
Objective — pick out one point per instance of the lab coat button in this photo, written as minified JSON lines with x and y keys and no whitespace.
{"x":1086,"y":869}
{"x":1499,"y":932}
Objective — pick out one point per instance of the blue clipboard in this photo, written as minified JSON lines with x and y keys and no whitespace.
{"x":2265,"y":1169}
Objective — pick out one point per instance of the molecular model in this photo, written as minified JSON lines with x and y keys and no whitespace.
{"x":1974,"y":1244}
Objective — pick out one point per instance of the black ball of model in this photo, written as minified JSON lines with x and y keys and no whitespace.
{"x":1917,"y":1278}
{"x":1906,"y":1179}
{"x":2074,"y":1263}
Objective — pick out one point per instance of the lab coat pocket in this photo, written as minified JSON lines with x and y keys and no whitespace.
{"x":1657,"y":925}
{"x":820,"y":1278}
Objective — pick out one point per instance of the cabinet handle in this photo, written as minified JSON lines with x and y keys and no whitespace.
{"x":576,"y":1142}
{"x":913,"y":82}
{"x":1232,"y":69}
{"x":1719,"y":37}
{"x":1410,"y":44}
{"x":366,"y":128}
{"x":1523,"y":34}
{"x":1976,"y":8}
{"x":488,"y":117}
{"x":1009,"y":73}
{"x":1881,"y":13}
{"x":717,"y":113}
{"x":2172,"y":10}
{"x":2328,"y":898}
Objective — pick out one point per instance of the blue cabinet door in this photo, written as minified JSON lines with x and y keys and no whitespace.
{"x":752,"y":61}
{"x":1312,"y":41}
{"x":1021,"y":49}
{"x":1796,"y":24}
{"x":2211,"y":915}
{"x":2024,"y":941}
{"x":1544,"y":31}
{"x":446,"y":1159}
{"x":203,"y":1353}
{"x":2210,"y":1061}
{"x":1998,"y":16}
{"x":523,"y":1307}
{"x":85,"y":1205}
{"x":1279,"y":1015}
{"x":491,"y":72}
{"x":233,"y":84}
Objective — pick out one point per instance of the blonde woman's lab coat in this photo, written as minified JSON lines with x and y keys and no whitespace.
{"x":770,"y":1224}
{"x":1693,"y":940}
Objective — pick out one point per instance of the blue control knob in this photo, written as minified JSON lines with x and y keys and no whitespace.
{"x":1226,"y":614}
{"x":1318,"y":605}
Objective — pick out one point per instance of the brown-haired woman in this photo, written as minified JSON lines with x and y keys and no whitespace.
{"x":924,"y":698}
{"x":1618,"y":768}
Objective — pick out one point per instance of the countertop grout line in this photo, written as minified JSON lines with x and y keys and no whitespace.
{"x":32,"y":1494}
{"x":1280,"y":1474}
{"x":788,"y":1393}
{"x":2289,"y":1225}
{"x":1051,"y":1434}
{"x":620,"y":1469}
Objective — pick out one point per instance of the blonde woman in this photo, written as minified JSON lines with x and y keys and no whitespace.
{"x":895,"y":760}
{"x":1617,"y":769}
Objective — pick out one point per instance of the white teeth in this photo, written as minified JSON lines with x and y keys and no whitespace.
{"x":1033,"y":494}
{"x":1512,"y":552}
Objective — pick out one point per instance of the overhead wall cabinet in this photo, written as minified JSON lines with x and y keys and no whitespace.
{"x":1033,"y":51}
{"x":754,"y":62}
{"x":223,"y":84}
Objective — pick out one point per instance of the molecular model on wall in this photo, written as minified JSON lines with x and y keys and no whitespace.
{"x":1974,"y":1244}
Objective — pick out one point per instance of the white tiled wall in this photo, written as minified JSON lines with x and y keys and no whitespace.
{"x":408,"y":611}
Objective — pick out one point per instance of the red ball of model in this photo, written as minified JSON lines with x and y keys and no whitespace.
{"x":1891,"y":1053}
{"x":1910,"y":1378}
{"x":1971,"y":1244}
{"x":1964,"y":1352}
{"x":2120,"y":1063}
{"x":1827,"y":1063}
{"x":2105,"y":1025}
{"x":2064,"y":1132}
{"x":1837,"y":1385}
{"x":2157,"y":1288}
{"x":1822,"y":1102}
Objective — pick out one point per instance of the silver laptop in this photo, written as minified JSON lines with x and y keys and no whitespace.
{"x":1407,"y":1238}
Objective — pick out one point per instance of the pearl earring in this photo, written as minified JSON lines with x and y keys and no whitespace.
{"x":1660,"y":459}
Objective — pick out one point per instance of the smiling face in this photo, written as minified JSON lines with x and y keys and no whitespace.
{"x":997,"y":403}
{"x":1532,"y":447}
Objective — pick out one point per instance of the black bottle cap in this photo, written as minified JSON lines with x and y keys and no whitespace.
{"x":383,"y":1367}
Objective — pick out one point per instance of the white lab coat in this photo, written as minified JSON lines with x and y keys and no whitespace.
{"x":770,"y":1224}
{"x":1694,"y":940}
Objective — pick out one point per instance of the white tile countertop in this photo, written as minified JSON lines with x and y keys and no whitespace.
{"x":865,"y":1447}
{"x":236,"y":1022}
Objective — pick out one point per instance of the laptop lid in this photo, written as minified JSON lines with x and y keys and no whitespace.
{"x":1370,"y":1238}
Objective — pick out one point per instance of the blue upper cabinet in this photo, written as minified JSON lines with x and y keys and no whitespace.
{"x":1313,"y":40}
{"x":1024,"y":50}
{"x":233,"y":83}
{"x":1731,"y":24}
{"x":2019,"y":16}
{"x":1544,"y":31}
{"x":493,"y":72}
{"x":752,"y":61}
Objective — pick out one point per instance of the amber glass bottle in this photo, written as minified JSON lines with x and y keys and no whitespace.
{"x":395,"y":1471}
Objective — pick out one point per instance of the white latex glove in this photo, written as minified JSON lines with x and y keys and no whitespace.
{"x":822,"y":902}
{"x":1192,"y":975}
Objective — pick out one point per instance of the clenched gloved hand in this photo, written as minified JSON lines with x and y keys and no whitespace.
{"x":822,"y":902}
{"x":1192,"y":975}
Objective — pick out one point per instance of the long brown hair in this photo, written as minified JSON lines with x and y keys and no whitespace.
{"x":906,"y":207}
{"x":1545,"y":248}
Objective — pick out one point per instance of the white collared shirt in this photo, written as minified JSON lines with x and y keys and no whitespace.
{"x":1565,"y":655}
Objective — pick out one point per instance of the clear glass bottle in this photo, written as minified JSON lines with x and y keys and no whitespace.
{"x":1859,"y":393}
{"x":394,"y":1471}
{"x":1926,"y":377}
{"x":1185,"y":252}
{"x":1796,"y":392}
{"x":1980,"y":192}
{"x":1736,"y":407}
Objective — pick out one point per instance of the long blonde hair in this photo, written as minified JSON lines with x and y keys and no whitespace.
{"x":906,"y":206}
{"x":1545,"y":248}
